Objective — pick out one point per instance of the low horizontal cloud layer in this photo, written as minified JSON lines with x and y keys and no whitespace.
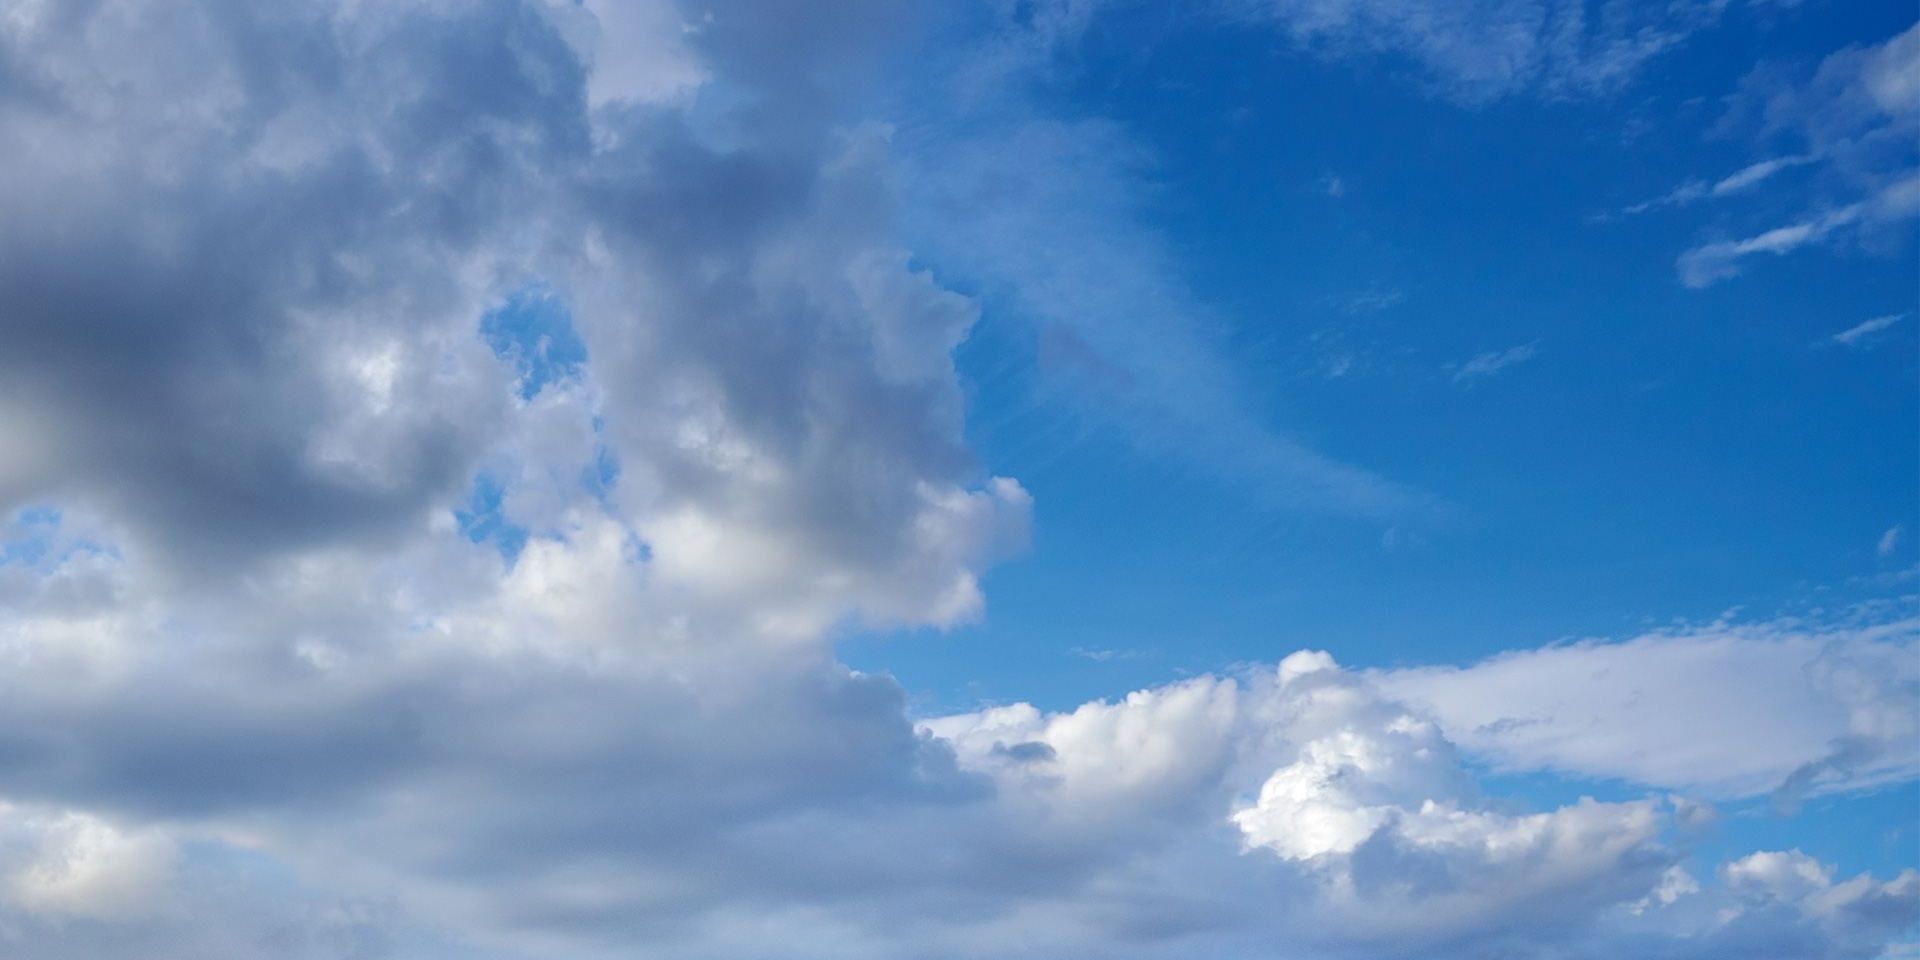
{"x":1766,"y":707}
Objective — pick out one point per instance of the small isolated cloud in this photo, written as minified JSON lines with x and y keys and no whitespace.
{"x":1751,"y":176}
{"x":1494,"y":361}
{"x":1102,"y":656}
{"x":1889,"y":541}
{"x":1863,"y":333}
{"x":1740,"y":181}
{"x":1710,"y":263}
{"x":1334,"y":186}
{"x":1370,"y":300}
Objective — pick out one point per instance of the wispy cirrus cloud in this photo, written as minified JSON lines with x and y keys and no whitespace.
{"x":1484,"y":365}
{"x":1866,"y":331}
{"x":1858,"y":117}
{"x":1740,"y":181}
{"x":1710,"y":263}
{"x":1482,"y":51}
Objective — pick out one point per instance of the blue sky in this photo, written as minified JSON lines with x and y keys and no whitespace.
{"x":1645,"y":454}
{"x":1658,"y":454}
{"x":1032,"y":479}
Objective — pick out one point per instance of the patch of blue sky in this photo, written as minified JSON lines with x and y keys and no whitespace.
{"x":1627,"y":453}
{"x":483,"y":520}
{"x":1662,"y":453}
{"x":534,"y":331}
{"x":28,"y":535}
{"x":37,"y":537}
{"x":600,"y":476}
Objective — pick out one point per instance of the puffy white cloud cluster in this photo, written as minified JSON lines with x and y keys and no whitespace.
{"x":330,"y":627}
{"x":1365,"y":803}
{"x":1372,"y":821}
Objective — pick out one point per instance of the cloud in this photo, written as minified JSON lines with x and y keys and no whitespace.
{"x":1372,"y":811}
{"x":1493,"y":361}
{"x":1482,"y":51}
{"x":531,"y":761}
{"x":1103,"y":655}
{"x":1864,"y":332}
{"x":1753,"y":175}
{"x":1710,"y":263}
{"x":73,"y":864}
{"x":1889,"y":541}
{"x":1738,"y":182}
{"x":1858,"y":116}
{"x":1122,"y":337}
{"x":1810,"y":707}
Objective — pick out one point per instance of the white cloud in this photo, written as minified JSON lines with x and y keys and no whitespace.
{"x":1762,"y":704}
{"x":1753,"y":175}
{"x":543,"y":761}
{"x":1863,"y":332}
{"x":1493,"y":361}
{"x":1121,"y":337}
{"x":1475,"y":52}
{"x":1738,"y":182}
{"x":1889,"y":541}
{"x":1369,"y":805}
{"x":1799,"y":883}
{"x":74,"y":864}
{"x":1858,"y":116}
{"x":1711,"y":263}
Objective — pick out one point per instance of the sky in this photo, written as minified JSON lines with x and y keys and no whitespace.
{"x":1031,"y":479}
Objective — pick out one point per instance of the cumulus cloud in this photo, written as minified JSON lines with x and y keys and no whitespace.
{"x":529,"y":758}
{"x":1377,"y":826}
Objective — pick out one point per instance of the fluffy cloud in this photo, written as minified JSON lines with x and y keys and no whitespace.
{"x":501,"y":758}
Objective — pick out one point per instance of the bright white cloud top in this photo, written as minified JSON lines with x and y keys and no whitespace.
{"x":442,"y":442}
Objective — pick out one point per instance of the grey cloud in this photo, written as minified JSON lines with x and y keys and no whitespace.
{"x":220,"y":195}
